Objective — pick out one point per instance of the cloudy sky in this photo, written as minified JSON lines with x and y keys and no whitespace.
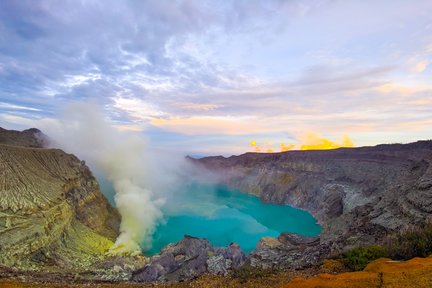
{"x":208,"y":77}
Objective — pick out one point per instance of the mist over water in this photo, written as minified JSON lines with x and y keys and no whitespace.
{"x":157,"y":193}
{"x":223,"y":216}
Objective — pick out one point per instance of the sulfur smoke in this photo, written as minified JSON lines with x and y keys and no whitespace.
{"x":122,"y":158}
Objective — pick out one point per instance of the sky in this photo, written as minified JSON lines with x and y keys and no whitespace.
{"x":212,"y":77}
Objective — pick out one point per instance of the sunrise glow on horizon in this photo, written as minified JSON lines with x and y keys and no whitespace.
{"x":224,"y":77}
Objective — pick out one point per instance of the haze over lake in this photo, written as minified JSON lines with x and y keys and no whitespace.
{"x":223,"y":215}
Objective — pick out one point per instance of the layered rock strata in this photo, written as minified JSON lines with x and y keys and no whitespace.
{"x":358,"y":195}
{"x":52,"y":213}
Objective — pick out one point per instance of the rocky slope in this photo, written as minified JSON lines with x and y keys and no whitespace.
{"x":52,"y":213}
{"x":359,"y":195}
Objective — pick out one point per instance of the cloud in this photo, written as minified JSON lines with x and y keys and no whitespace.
{"x":9,"y":106}
{"x":305,"y":141}
{"x":136,"y":108}
{"x":198,"y":106}
{"x":404,"y":89}
{"x":206,"y":67}
{"x":419,"y":66}
{"x":209,"y":125}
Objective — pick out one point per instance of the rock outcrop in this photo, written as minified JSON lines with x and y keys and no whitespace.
{"x":188,"y":259}
{"x":52,"y":213}
{"x":358,"y":195}
{"x":287,"y":251}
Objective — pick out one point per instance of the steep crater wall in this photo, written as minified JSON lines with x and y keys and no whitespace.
{"x":52,"y":212}
{"x":359,"y":195}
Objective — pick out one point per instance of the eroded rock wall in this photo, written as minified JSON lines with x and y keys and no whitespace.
{"x":51,"y":209}
{"x":358,"y":195}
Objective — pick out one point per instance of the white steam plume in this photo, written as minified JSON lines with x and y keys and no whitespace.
{"x":122,"y":158}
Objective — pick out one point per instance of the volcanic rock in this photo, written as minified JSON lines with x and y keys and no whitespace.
{"x":188,"y":259}
{"x":358,"y":195}
{"x":52,"y":213}
{"x":287,"y":251}
{"x":28,"y":138}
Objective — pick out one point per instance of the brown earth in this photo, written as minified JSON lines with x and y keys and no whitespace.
{"x":381,"y":273}
{"x":205,"y":281}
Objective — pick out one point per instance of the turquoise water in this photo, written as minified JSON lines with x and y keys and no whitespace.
{"x":223,"y":216}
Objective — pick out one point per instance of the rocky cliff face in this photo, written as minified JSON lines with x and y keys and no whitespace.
{"x":52,"y":213}
{"x":358,"y":195}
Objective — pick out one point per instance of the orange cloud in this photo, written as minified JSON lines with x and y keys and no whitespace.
{"x":403,"y":89}
{"x":254,"y":146}
{"x":286,"y":147}
{"x":310,"y":141}
{"x":266,"y":147}
{"x":419,"y":66}
{"x":202,"y":125}
{"x":315,"y":142}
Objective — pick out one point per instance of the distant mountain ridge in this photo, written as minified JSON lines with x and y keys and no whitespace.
{"x":32,"y":137}
{"x":359,"y":195}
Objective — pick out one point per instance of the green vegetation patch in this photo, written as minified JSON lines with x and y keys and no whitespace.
{"x":415,"y":242}
{"x":357,"y":258}
{"x":247,"y":272}
{"x":405,"y":245}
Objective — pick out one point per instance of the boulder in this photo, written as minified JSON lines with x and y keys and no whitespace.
{"x":189,"y":258}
